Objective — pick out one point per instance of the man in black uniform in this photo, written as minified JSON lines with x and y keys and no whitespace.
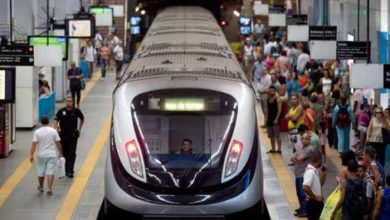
{"x":65,"y":122}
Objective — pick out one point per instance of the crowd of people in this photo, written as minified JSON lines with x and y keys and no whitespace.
{"x":312,"y":100}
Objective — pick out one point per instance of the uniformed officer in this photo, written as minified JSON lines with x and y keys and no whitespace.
{"x":65,"y":122}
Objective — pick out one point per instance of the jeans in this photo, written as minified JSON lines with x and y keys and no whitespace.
{"x":90,"y":69}
{"x":343,"y":135}
{"x":300,"y":194}
{"x":104,"y":63}
{"x":76,"y":95}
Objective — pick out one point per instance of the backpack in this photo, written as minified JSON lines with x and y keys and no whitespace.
{"x":342,"y":117}
{"x":356,"y":199}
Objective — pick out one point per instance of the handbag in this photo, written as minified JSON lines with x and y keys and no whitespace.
{"x":330,"y":205}
{"x":61,"y":168}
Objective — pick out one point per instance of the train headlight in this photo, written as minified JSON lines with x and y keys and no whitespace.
{"x":233,"y":158}
{"x":133,"y":154}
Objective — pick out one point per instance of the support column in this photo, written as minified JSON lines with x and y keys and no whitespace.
{"x":383,"y":35}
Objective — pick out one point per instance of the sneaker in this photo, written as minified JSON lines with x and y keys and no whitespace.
{"x":40,"y":189}
{"x":300,"y":215}
{"x":49,"y":193}
{"x":70,"y":175}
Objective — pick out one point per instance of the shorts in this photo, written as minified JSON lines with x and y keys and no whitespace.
{"x":273,"y":131}
{"x":119,"y":64}
{"x":294,"y":139}
{"x":46,"y":166}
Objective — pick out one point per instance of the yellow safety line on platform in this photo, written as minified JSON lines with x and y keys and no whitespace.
{"x":10,"y":184}
{"x":280,"y":168}
{"x":81,"y":180}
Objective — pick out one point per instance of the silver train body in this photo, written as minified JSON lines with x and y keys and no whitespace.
{"x":184,"y":83}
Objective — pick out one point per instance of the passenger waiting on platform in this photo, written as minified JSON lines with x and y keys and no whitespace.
{"x":353,"y":199}
{"x":47,"y":141}
{"x":300,"y":160}
{"x":264,"y":85}
{"x":295,"y":119}
{"x":313,"y":180}
{"x":382,"y":202}
{"x":342,"y":119}
{"x":66,"y":122}
{"x":186,"y":147}
{"x":375,"y":134}
{"x":119,"y":56}
{"x":372,"y":171}
{"x":272,"y":114}
{"x":75,"y":76}
{"x":104,"y":58}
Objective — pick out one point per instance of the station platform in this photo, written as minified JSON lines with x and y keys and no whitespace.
{"x":81,"y":197}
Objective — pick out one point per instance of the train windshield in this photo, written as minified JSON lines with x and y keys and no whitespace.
{"x":184,"y":135}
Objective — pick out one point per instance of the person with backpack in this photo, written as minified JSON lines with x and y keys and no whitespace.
{"x":353,"y":198}
{"x":342,"y":119}
{"x":375,"y":134}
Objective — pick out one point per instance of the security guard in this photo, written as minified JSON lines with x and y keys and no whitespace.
{"x":65,"y":122}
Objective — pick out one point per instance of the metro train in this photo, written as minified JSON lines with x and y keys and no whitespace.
{"x":184,"y":82}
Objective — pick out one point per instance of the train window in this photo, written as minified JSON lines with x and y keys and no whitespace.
{"x":166,"y":118}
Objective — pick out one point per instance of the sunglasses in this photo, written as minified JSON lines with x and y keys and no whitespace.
{"x":378,"y":112}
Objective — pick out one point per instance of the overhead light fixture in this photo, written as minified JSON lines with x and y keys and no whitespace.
{"x":236,"y":13}
{"x":136,"y":9}
{"x":143,"y":12}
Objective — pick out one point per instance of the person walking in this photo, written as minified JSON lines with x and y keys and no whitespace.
{"x":273,"y":111}
{"x":74,"y":77}
{"x":98,"y":44}
{"x":118,"y":55}
{"x":47,"y":140}
{"x":66,"y":122}
{"x":104,"y":58}
{"x":342,"y":119}
{"x":89,"y":56}
{"x":300,"y":160}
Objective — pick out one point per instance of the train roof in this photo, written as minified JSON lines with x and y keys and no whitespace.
{"x":185,"y":41}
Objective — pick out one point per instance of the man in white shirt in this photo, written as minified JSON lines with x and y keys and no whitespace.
{"x":313,"y":180}
{"x":265,"y":83}
{"x":98,"y":45}
{"x":303,"y":59}
{"x":118,"y":55}
{"x":89,"y":56}
{"x":49,"y":149}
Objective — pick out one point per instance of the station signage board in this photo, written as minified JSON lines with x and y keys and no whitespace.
{"x":7,"y":85}
{"x":352,"y":50}
{"x":296,"y":19}
{"x":16,"y":55}
{"x":323,"y":33}
{"x":386,"y":76}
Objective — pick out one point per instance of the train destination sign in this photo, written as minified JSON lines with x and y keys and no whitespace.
{"x":296,"y":19}
{"x":323,"y":33}
{"x":17,"y":55}
{"x":352,"y":50}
